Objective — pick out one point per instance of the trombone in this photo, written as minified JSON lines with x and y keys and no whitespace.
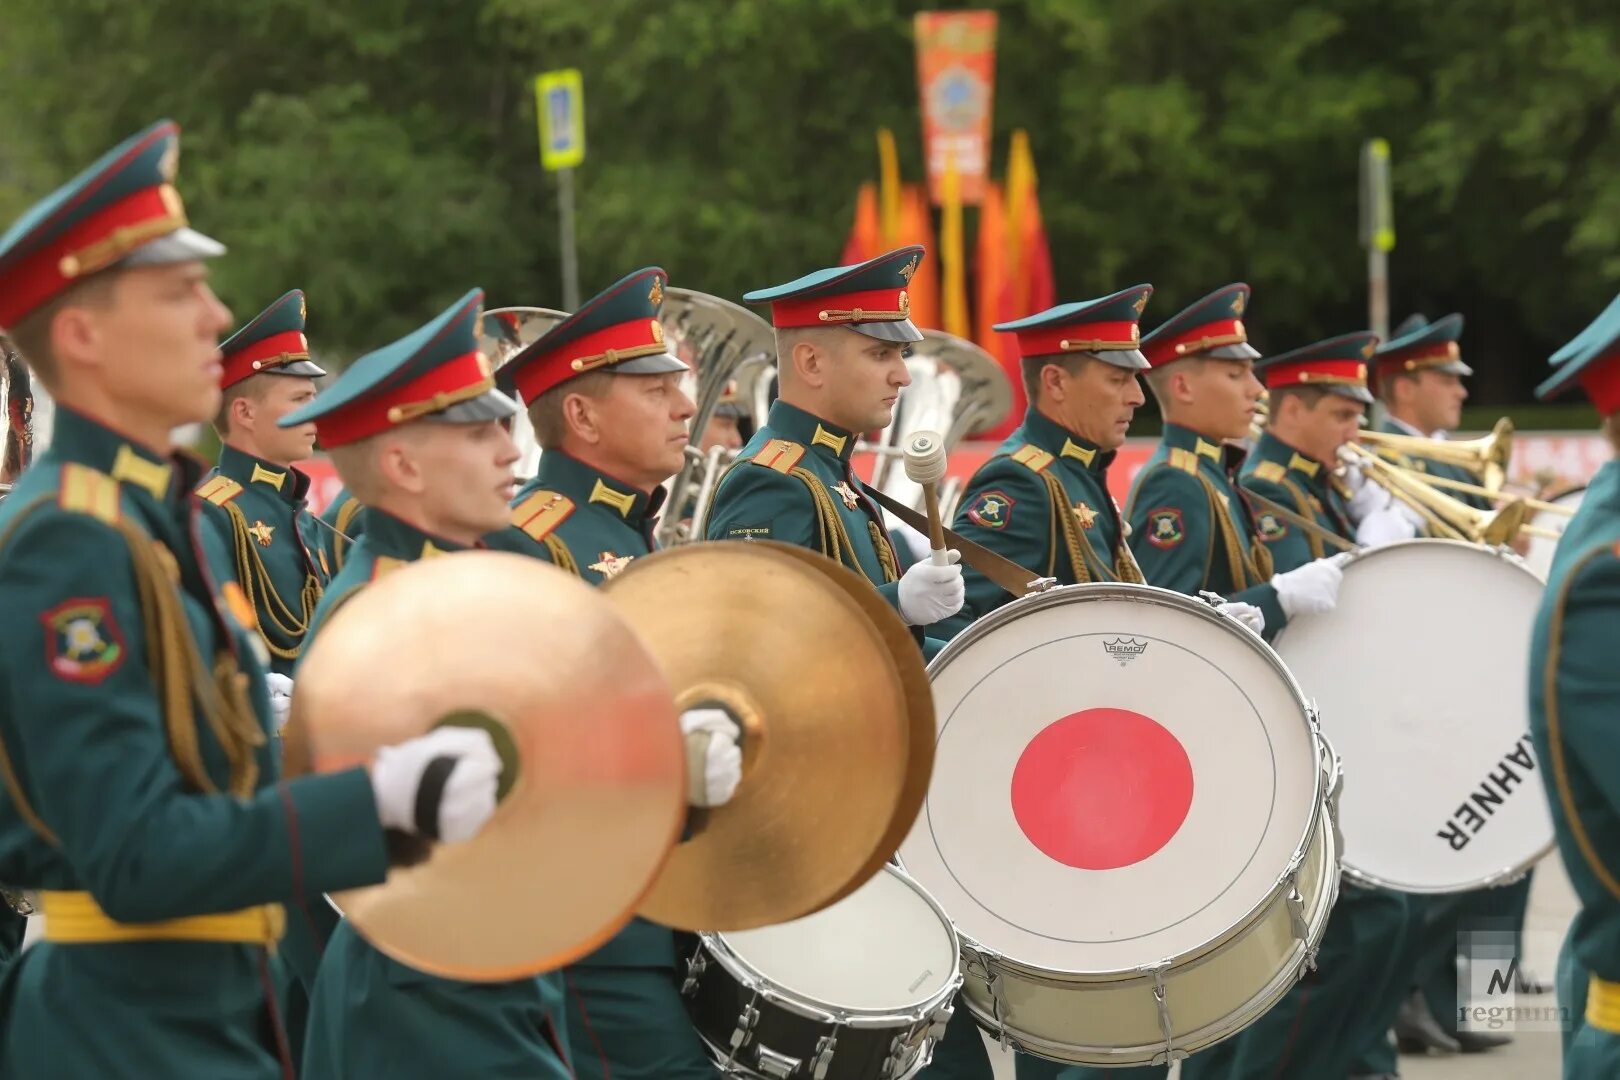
{"x":1486,"y":457}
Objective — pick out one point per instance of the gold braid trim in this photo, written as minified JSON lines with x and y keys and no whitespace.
{"x":1244,"y":566}
{"x":561,"y":557}
{"x":340,"y":542}
{"x":1303,"y":501}
{"x":885,"y":552}
{"x":1087,"y":565}
{"x":835,"y":542}
{"x":256,"y":583}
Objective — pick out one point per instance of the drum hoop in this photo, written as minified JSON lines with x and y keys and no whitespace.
{"x":1508,"y":874}
{"x":715,"y":944}
{"x":1152,"y":594}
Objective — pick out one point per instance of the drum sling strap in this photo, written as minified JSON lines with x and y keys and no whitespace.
{"x":261,"y":591}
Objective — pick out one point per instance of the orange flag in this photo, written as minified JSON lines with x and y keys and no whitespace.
{"x":865,"y":237}
{"x":916,"y":227}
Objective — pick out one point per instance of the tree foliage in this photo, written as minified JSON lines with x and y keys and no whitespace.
{"x":382,"y":156}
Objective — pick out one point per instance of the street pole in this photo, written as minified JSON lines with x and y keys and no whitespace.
{"x":565,"y":234}
{"x":1378,"y":293}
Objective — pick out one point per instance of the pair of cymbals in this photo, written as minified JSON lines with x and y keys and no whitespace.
{"x":581,"y":690}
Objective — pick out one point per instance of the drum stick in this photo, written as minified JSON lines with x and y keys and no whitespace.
{"x":925,"y":466}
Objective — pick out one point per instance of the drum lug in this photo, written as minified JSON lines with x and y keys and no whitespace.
{"x":773,"y":1065}
{"x":1166,"y":1027}
{"x":1214,"y":600}
{"x":1297,"y":922}
{"x":745,"y":1026}
{"x":939,"y":1021}
{"x":826,"y":1046}
{"x":696,"y":965}
{"x":977,"y":963}
{"x":1040,"y":585}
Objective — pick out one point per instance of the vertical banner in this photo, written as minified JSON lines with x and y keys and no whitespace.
{"x":956,"y":78}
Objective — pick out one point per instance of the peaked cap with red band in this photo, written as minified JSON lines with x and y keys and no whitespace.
{"x":123,"y":211}
{"x":1337,"y":365}
{"x":436,"y":372}
{"x":272,"y":344}
{"x":1105,"y":328}
{"x":1211,"y":327}
{"x":869,"y":298}
{"x":1591,"y":360}
{"x":616,"y":331}
{"x":1421,"y":345}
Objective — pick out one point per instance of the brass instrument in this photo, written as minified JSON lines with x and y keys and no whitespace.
{"x":1539,"y":505}
{"x":1486,"y":457}
{"x":502,"y":334}
{"x":726,"y":345}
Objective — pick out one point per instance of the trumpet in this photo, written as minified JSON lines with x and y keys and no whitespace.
{"x":1486,"y":457}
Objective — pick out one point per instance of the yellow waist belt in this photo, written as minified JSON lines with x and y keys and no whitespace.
{"x":1603,"y":1004}
{"x":75,"y":917}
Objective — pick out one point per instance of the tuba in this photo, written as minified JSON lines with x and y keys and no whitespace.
{"x":728,"y":348}
{"x":958,"y":390}
{"x":502,"y":334}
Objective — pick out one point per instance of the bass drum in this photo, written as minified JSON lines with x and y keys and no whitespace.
{"x":1420,"y":676}
{"x":1128,"y":823}
{"x":1538,"y":557}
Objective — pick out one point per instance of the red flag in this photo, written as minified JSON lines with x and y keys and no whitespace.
{"x":865,"y":236}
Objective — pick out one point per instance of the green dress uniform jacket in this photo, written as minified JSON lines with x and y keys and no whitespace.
{"x":1574,"y":699}
{"x":141,"y":782}
{"x":371,"y":1016}
{"x":344,"y":523}
{"x":1042,"y":501}
{"x":276,"y":550}
{"x":1192,"y":530}
{"x":626,"y":1019}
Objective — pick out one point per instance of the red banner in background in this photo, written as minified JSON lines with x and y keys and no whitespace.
{"x":956,"y":78}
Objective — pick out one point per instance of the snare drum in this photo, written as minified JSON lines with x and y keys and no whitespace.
{"x":1420,"y":676}
{"x":1538,"y":557}
{"x":860,"y":990}
{"x":1127,"y":822}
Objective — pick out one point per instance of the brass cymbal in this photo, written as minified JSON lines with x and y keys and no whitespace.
{"x":514,"y":645}
{"x":833,"y":757}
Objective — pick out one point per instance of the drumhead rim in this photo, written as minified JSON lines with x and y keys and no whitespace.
{"x":1506,"y":554}
{"x":1152,"y":594}
{"x":713,"y":942}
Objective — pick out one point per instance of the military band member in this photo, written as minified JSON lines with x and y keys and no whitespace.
{"x":1318,"y":395}
{"x":840,"y":336}
{"x":141,"y":805}
{"x":1420,"y":374}
{"x":1042,"y":500}
{"x":1574,"y":699}
{"x":1191,"y":528}
{"x":607,"y":407}
{"x":415,"y":430}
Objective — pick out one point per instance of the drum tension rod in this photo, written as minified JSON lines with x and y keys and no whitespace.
{"x":825,"y":1047}
{"x":1166,"y":1028}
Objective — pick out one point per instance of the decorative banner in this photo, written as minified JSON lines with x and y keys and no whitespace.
{"x":956,"y":77}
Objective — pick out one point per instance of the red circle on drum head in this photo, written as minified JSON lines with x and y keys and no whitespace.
{"x":1102,"y":788}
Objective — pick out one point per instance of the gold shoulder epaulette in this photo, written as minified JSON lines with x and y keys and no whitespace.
{"x":1270,"y":470}
{"x":1185,"y":460}
{"x":219,"y":491}
{"x":1032,"y":457}
{"x":88,"y":491}
{"x":779,"y":454}
{"x":541,"y":513}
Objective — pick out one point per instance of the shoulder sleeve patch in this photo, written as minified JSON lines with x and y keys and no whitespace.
{"x":991,"y":509}
{"x":219,"y":491}
{"x":748,"y":532}
{"x":1165,"y":528}
{"x":778,"y":454}
{"x":1032,"y":457}
{"x":82,"y":641}
{"x":1273,"y":471}
{"x":1185,"y":460}
{"x":87,"y":491}
{"x":1270,"y":527}
{"x":541,"y":513}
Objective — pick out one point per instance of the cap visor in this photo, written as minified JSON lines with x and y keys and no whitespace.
{"x":182,"y":245}
{"x":898,"y":330}
{"x":1129,"y":359}
{"x":490,"y":405}
{"x":1354,"y":393}
{"x":657,"y":364}
{"x":1240,"y":350}
{"x":306,"y":368}
{"x":1455,"y":367}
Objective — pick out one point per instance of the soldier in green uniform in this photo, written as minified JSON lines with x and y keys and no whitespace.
{"x":1318,"y":397}
{"x":1191,"y":528}
{"x":1574,"y":698}
{"x":416,"y":432}
{"x":142,"y":802}
{"x":607,"y":407}
{"x":840,"y":335}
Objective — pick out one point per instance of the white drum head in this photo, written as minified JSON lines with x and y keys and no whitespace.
{"x":1420,"y":677}
{"x":1539,"y":556}
{"x":1122,"y":776}
{"x":883,"y":948}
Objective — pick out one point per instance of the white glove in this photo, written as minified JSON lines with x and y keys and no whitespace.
{"x":1384,"y":526}
{"x":1366,"y":497}
{"x":929,"y":593}
{"x":1247,"y":614}
{"x":466,"y":798}
{"x":1311,"y":589}
{"x":1420,"y":524}
{"x":713,"y":758}
{"x":280,"y":698}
